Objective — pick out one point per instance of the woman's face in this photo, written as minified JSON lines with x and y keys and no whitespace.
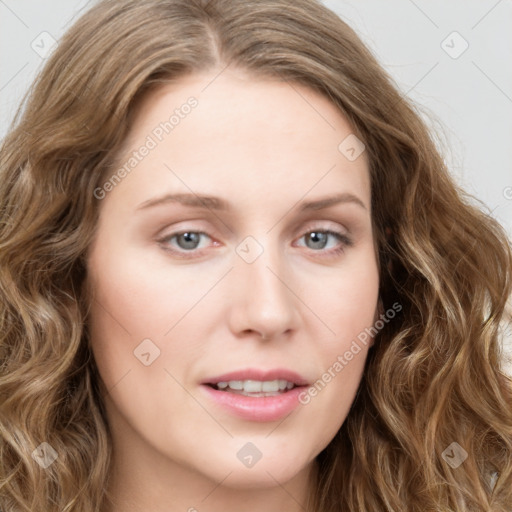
{"x":271,"y":281}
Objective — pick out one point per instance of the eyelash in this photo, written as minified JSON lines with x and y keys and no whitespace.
{"x":344,"y":239}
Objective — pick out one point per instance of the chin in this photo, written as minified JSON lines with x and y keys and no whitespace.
{"x":260,"y":478}
{"x":277,"y":467}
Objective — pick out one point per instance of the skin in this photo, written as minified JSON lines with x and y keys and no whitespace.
{"x":264,"y":146}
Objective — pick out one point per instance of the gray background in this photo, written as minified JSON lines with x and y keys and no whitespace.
{"x":453,"y":57}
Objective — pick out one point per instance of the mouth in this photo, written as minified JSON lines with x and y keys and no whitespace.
{"x":254,"y":388}
{"x":256,"y":395}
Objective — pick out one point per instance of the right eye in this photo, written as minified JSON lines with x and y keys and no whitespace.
{"x":183,"y":242}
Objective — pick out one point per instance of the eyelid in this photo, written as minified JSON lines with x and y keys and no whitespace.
{"x":319,"y":225}
{"x":323,"y":226}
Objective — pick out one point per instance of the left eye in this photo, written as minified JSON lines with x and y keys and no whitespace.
{"x":318,"y":239}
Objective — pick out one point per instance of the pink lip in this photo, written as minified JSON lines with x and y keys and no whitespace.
{"x":255,"y":374}
{"x":261,"y":409}
{"x":265,"y":408}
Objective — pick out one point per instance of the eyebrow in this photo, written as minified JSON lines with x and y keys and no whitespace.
{"x":217,"y":203}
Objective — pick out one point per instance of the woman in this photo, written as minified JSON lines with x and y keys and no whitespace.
{"x":236,"y":274}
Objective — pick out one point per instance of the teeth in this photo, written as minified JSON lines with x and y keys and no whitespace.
{"x":256,"y":386}
{"x":270,"y":385}
{"x":252,"y":386}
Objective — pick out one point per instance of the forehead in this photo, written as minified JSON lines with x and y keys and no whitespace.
{"x":259,"y":136}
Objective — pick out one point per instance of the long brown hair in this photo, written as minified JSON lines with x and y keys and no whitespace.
{"x":433,"y":377}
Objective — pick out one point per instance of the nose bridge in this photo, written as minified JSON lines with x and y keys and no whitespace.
{"x":263,"y":301}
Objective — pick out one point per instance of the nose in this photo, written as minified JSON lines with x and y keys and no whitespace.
{"x":262,"y":298}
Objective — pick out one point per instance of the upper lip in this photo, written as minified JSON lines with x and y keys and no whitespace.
{"x":257,"y":374}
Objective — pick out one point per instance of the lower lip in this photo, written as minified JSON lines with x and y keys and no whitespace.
{"x":265,"y":408}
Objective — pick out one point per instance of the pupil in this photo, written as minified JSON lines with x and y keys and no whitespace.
{"x":190,"y":240}
{"x":319,"y":239}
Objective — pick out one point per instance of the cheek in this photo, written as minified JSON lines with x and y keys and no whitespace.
{"x":135,"y":300}
{"x":349,"y":309}
{"x":138,"y":311}
{"x":350,"y":301}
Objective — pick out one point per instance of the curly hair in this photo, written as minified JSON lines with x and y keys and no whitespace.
{"x":434,"y":375}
